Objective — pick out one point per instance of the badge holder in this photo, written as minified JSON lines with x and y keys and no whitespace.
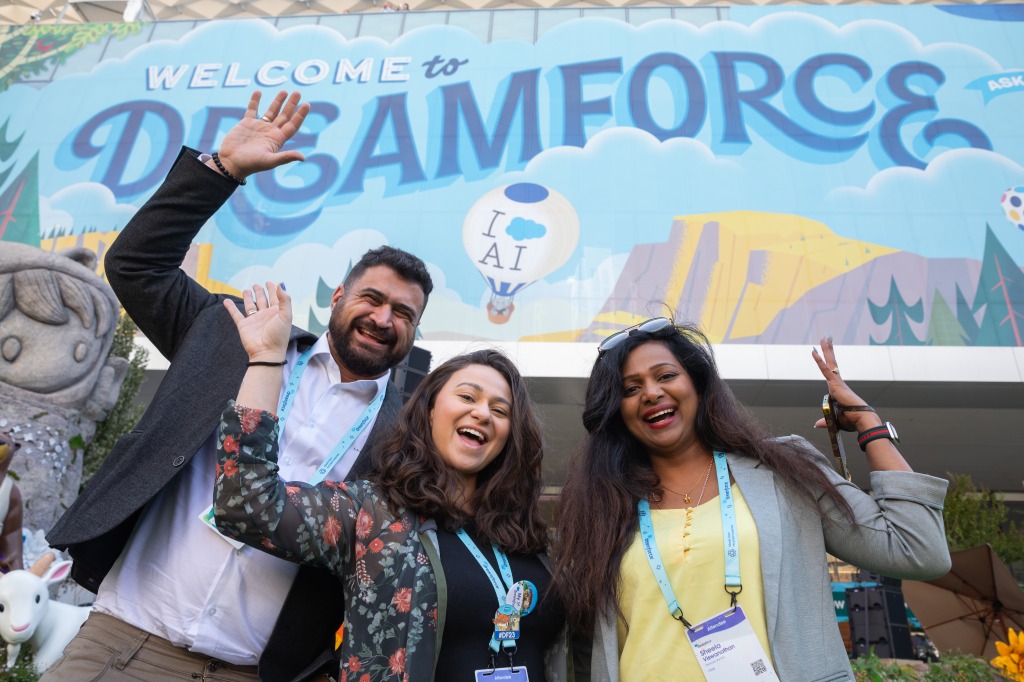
{"x":506,"y":633}
{"x":727,"y":649}
{"x":207,"y":518}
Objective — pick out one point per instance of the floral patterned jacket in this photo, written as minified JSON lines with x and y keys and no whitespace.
{"x":395,"y":590}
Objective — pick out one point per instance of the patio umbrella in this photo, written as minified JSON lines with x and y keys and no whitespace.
{"x":972,"y":606}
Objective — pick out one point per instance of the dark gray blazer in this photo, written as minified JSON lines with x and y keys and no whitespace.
{"x":190,"y":327}
{"x":898,"y":532}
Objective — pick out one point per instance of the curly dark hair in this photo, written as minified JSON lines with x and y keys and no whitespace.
{"x":406,"y":265}
{"x":410,"y":473}
{"x":610,"y":471}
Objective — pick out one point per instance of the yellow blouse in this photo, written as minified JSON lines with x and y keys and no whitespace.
{"x":652,"y":645}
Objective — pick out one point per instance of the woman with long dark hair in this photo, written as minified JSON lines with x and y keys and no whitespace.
{"x":693,"y":545}
{"x":441,"y":550}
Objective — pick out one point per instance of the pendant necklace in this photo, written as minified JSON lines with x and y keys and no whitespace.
{"x":686,"y":496}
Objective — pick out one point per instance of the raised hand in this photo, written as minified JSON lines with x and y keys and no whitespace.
{"x":254,"y":143}
{"x":850,"y":419}
{"x":265,"y":327}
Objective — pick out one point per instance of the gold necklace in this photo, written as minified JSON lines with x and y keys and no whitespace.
{"x":686,"y":496}
{"x":705,"y":486}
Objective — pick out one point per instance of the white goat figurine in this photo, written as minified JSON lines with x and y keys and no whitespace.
{"x":28,"y":615}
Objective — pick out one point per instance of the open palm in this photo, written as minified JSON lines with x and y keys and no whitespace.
{"x":254,"y":143}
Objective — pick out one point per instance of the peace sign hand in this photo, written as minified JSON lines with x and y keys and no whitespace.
{"x":850,"y":419}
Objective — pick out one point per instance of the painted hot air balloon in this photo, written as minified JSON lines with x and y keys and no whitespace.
{"x":1013,"y":205}
{"x":516,"y":235}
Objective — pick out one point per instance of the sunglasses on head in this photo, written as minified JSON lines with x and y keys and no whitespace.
{"x":650,"y":326}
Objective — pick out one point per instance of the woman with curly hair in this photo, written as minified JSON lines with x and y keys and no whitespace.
{"x":441,"y":550}
{"x":693,"y":545}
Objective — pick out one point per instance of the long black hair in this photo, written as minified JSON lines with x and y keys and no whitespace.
{"x":610,"y":471}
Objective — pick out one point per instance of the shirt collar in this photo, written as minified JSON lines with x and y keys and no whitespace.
{"x":322,"y":358}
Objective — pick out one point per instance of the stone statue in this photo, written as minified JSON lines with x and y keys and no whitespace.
{"x":57,"y":323}
{"x":10,"y":510}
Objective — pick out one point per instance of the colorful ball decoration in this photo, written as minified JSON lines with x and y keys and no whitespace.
{"x":1013,"y":205}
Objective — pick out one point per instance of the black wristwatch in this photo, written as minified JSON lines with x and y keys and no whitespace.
{"x":886,"y":430}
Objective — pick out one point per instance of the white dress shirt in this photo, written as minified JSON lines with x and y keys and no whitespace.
{"x":179,"y":579}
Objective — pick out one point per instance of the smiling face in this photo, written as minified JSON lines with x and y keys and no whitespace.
{"x":373,"y":322}
{"x":470,"y":421}
{"x":659,"y":402}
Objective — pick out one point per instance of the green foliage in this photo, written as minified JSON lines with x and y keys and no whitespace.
{"x":974,"y":516}
{"x":126,"y":411}
{"x":956,"y":667}
{"x":26,"y":51}
{"x":870,"y":668}
{"x":961,"y":668}
{"x":22,"y":671}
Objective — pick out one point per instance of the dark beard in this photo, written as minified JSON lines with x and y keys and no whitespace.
{"x":359,"y":360}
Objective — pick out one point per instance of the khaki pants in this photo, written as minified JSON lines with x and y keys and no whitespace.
{"x":109,"y":649}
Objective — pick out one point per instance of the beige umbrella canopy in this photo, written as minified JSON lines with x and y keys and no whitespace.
{"x":971,"y":607}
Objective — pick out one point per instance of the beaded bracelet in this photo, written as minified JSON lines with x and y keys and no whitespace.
{"x":220,"y":166}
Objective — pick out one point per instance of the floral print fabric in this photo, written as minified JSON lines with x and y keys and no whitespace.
{"x":390,"y":588}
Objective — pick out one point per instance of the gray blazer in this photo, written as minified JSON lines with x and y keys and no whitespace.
{"x":898,"y":533}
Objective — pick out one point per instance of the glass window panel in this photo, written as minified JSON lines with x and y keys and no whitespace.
{"x":478,"y":23}
{"x":116,"y":49}
{"x":549,"y":18}
{"x":86,"y":57}
{"x":698,"y":16}
{"x":289,"y":22}
{"x":383,"y":25}
{"x":172,"y":30}
{"x":641,"y":15}
{"x":514,"y":24}
{"x":606,"y":13}
{"x":345,"y":24}
{"x":414,"y":20}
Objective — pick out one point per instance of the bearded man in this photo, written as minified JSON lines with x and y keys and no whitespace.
{"x":175,"y":599}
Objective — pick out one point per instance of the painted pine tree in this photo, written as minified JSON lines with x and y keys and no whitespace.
{"x":1001,"y":295}
{"x":900,"y":316}
{"x":965,"y":315}
{"x":19,"y":206}
{"x":944,"y":329}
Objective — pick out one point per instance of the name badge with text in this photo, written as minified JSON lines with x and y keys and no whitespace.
{"x":517,"y":674}
{"x":728,"y":650}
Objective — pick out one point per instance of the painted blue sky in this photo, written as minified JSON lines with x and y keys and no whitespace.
{"x":625,"y":185}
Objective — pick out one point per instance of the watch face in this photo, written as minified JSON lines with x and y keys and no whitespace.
{"x":892,"y":432}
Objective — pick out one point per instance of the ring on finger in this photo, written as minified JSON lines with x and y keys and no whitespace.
{"x":266,"y":118}
{"x":835,"y":370}
{"x":250,"y":313}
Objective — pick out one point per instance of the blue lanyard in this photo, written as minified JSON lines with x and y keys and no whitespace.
{"x":284,"y":408}
{"x":727,"y":508}
{"x":506,"y":570}
{"x":500,"y":590}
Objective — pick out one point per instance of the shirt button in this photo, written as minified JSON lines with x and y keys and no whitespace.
{"x":178,"y":461}
{"x":212,"y":611}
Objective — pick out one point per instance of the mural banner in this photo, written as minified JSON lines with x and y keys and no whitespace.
{"x":775,"y":176}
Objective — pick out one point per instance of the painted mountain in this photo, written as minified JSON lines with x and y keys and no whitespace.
{"x":749,"y":277}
